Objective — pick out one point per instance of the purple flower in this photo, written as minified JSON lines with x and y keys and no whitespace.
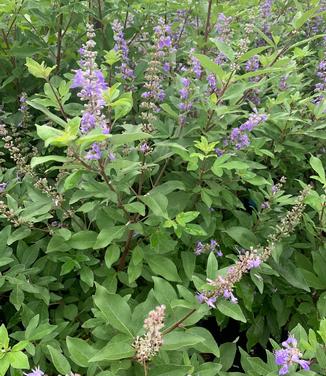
{"x":211,"y":80}
{"x":283,"y":84}
{"x":239,"y":137}
{"x":199,"y":249}
{"x":195,"y":66}
{"x":252,"y":64}
{"x":122,"y":46}
{"x":144,"y":148}
{"x":35,"y":372}
{"x":91,"y":81}
{"x":266,"y":8}
{"x":166,"y":67}
{"x":222,"y":27}
{"x":219,"y":152}
{"x":94,"y":153}
{"x":200,"y":297}
{"x":3,"y":187}
{"x":321,"y":85}
{"x":289,"y":355}
{"x":254,"y":263}
{"x":265,"y":205}
{"x":229,"y":295}
{"x":211,"y":302}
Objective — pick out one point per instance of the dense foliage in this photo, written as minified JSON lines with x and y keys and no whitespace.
{"x":162,"y":187}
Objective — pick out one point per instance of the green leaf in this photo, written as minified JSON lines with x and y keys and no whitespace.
{"x":38,"y":70}
{"x":164,"y":267}
{"x":114,"y":351}
{"x":212,"y":67}
{"x":59,"y":361}
{"x":46,"y":112}
{"x":167,"y":108}
{"x":4,"y":338}
{"x":112,"y":255}
{"x":18,"y":360}
{"x":45,"y":132}
{"x":188,"y":263}
{"x":185,"y":217}
{"x":242,"y":236}
{"x":111,"y":57}
{"x":164,"y":292}
{"x":224,"y":48}
{"x":178,"y":339}
{"x":122,"y":106}
{"x":301,"y":19}
{"x":228,"y":351}
{"x":195,"y":230}
{"x":40,"y":160}
{"x":230,"y":309}
{"x":20,"y":233}
{"x":157,"y":202}
{"x":212,"y":266}
{"x":114,"y":308}
{"x":135,"y":207}
{"x":106,"y":236}
{"x":80,"y":351}
{"x":83,"y":240}
{"x":209,"y":344}
{"x":40,"y":332}
{"x":251,"y":53}
{"x":317,"y":165}
{"x":171,"y":370}
{"x":126,"y":138}
{"x":72,"y":180}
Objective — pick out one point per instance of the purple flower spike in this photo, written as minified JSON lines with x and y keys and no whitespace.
{"x":91,"y":82}
{"x":94,"y":153}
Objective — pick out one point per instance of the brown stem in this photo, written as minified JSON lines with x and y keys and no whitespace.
{"x":59,"y":42}
{"x":124,"y":255}
{"x":14,"y":20}
{"x":100,"y":15}
{"x":109,"y":184}
{"x":57,"y":99}
{"x":208,"y":20}
{"x":126,"y":19}
{"x":177,"y":324}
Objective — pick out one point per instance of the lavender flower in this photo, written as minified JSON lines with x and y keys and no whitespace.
{"x":91,"y":81}
{"x":22,"y":100}
{"x":223,"y":27}
{"x":211,"y":80}
{"x":238,"y":137}
{"x":289,"y":355}
{"x":212,"y":246}
{"x":122,"y":46}
{"x":283,"y":84}
{"x":321,"y":85}
{"x":144,"y":148}
{"x":195,"y":66}
{"x":35,"y":372}
{"x":3,"y":187}
{"x":185,"y":104}
{"x":223,"y":30}
{"x":94,"y":153}
{"x":266,"y":8}
{"x":252,"y":64}
{"x":265,"y":205}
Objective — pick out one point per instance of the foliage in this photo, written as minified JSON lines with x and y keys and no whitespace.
{"x":162,"y":187}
